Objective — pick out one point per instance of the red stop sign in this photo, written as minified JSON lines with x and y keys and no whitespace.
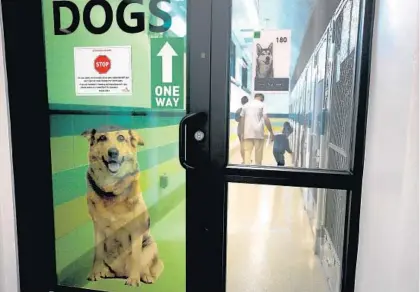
{"x":102,"y":64}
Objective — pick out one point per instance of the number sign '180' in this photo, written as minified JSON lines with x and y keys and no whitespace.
{"x":281,"y":39}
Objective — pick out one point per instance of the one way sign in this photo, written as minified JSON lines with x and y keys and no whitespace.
{"x":167,"y":68}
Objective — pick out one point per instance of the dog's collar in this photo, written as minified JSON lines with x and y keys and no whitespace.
{"x":100,"y":192}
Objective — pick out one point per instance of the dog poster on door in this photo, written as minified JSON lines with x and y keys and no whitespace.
{"x":271,"y":61}
{"x":118,"y":189}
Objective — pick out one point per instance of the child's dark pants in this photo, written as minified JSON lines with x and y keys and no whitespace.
{"x":279,"y":156}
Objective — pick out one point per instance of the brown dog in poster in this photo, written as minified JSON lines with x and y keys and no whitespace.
{"x":124,"y":247}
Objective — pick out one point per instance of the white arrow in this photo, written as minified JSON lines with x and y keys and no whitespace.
{"x":167,"y":52}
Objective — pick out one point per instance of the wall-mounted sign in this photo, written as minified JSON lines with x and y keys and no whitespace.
{"x":271,"y":60}
{"x":167,"y":68}
{"x":103,"y":70}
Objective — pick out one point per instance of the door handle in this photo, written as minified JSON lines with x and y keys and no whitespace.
{"x":190,"y":155}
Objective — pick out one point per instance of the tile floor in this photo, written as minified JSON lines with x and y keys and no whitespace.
{"x":270,"y":243}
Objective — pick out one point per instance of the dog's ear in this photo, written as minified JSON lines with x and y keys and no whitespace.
{"x":90,"y":135}
{"x":259,"y":49}
{"x":86,"y":133}
{"x":135,"y":137}
{"x":270,"y":47}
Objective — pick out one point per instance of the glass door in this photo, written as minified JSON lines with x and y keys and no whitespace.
{"x":291,"y":81}
{"x":98,"y":91}
{"x":207,"y":145}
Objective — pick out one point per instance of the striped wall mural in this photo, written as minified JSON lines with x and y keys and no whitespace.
{"x":158,"y":159}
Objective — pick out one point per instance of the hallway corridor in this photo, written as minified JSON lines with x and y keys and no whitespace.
{"x":270,"y":242}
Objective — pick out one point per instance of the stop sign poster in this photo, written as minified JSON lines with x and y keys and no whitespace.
{"x":103,"y":70}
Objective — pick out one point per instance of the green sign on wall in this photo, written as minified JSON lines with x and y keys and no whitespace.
{"x":167,"y":68}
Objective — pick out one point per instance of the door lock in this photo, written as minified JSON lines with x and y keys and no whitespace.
{"x":199,"y":136}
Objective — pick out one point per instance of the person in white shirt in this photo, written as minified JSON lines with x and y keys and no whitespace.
{"x":254,"y":117}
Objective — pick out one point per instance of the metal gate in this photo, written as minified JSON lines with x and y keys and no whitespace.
{"x":324,"y":104}
{"x":340,"y":118}
{"x":340,"y":114}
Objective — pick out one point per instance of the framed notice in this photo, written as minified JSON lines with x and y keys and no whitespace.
{"x":271,"y":61}
{"x":103,"y":70}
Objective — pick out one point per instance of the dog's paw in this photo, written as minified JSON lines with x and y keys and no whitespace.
{"x":107,"y":273}
{"x":133,"y":281}
{"x":94,"y":276}
{"x":100,"y":271}
{"x":147,"y":279}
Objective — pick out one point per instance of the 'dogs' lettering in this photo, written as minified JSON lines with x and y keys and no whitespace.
{"x":139,"y":18}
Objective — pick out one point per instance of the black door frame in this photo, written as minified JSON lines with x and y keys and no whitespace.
{"x":208,"y":59}
{"x":35,"y":227}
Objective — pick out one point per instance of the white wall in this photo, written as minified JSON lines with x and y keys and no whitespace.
{"x":388,"y":259}
{"x":8,"y":256}
{"x":276,"y":103}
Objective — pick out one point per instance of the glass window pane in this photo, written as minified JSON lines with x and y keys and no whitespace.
{"x":284,"y":239}
{"x":302,"y":63}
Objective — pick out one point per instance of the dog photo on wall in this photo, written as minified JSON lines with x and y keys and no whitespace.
{"x":264,"y":62}
{"x":271,"y":61}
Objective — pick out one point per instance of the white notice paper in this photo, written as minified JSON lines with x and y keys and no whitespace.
{"x":103,"y":70}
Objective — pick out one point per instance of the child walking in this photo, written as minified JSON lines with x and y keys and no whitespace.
{"x":281,"y":144}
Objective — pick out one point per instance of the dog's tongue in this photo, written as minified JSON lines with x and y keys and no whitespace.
{"x":113,"y":166}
